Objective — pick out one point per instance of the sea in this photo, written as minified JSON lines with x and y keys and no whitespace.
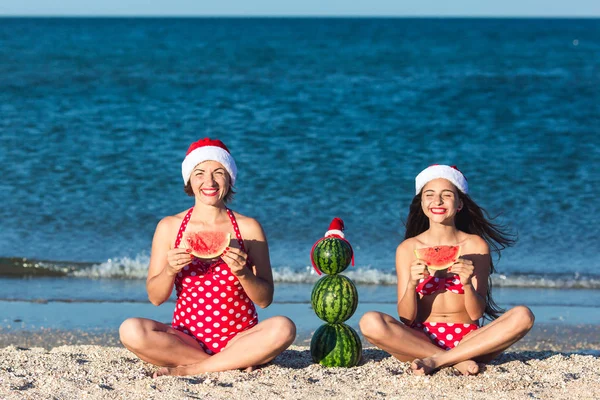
{"x":325,"y":117}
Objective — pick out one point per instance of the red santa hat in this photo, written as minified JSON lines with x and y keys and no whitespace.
{"x":448,"y":172}
{"x":336,"y":228}
{"x":208,"y":150}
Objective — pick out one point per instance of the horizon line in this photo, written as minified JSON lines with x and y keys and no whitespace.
{"x":301,"y":16}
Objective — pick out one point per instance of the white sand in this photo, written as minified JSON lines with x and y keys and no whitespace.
{"x":97,"y":372}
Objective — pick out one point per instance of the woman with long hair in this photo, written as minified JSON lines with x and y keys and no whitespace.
{"x":440,"y":311}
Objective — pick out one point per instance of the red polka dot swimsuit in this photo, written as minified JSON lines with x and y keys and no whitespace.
{"x":211,"y":304}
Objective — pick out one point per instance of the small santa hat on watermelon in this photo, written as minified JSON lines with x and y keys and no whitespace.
{"x":336,"y":230}
{"x":208,"y":149}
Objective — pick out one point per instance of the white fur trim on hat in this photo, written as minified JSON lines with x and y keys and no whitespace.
{"x":334,"y":232}
{"x":208,"y":153}
{"x":441,"y":171}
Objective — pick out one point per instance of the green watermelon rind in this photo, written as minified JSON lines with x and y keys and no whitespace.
{"x":332,"y":255}
{"x":336,"y":345}
{"x":334,"y":298}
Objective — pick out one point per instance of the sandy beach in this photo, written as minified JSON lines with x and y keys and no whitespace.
{"x":45,"y":355}
{"x":567,"y":368}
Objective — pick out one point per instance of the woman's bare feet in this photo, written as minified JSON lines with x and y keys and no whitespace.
{"x":468,"y":367}
{"x":427,"y":366}
{"x":162,"y":371}
{"x":423,"y":366}
{"x":183,"y":370}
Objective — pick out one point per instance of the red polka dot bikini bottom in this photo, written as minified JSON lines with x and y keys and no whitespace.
{"x":445,"y":335}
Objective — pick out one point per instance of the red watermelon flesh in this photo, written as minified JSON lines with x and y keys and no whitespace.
{"x":207,"y":245}
{"x":438,"y":257}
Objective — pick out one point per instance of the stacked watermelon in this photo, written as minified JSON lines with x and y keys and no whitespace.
{"x":334,"y":299}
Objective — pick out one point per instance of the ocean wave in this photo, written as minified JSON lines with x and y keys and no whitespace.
{"x":117,"y":268}
{"x":24,"y":267}
{"x":369,"y":276}
{"x":137,"y":268}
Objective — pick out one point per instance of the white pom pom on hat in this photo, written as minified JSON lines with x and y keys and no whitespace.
{"x":208,"y":150}
{"x":448,"y":172}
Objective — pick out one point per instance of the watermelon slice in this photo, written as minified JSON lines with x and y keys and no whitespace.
{"x":438,"y":257}
{"x":206,"y":244}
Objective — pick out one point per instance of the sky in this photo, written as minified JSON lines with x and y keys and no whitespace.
{"x":390,"y":8}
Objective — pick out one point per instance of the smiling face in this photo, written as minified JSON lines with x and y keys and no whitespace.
{"x":210,"y":182}
{"x":440,"y":201}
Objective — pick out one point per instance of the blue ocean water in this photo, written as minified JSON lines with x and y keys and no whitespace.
{"x":325,"y":118}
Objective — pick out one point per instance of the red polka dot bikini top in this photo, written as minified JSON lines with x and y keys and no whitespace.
{"x":433,"y":284}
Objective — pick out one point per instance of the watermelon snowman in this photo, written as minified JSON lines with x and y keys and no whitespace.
{"x":334,"y":299}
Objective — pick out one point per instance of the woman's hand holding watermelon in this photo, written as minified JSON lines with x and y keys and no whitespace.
{"x":418,"y":271}
{"x":236,"y":260}
{"x":177,"y":259}
{"x":464,"y":269}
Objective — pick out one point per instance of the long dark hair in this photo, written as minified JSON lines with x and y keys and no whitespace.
{"x":470,"y":219}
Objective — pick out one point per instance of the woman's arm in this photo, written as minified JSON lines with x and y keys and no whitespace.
{"x":257,"y":281}
{"x":473,"y":270}
{"x":407,"y":296}
{"x":164,"y":263}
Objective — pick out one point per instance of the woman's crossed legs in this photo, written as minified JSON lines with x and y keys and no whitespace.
{"x":481,"y":345}
{"x":180,"y":354}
